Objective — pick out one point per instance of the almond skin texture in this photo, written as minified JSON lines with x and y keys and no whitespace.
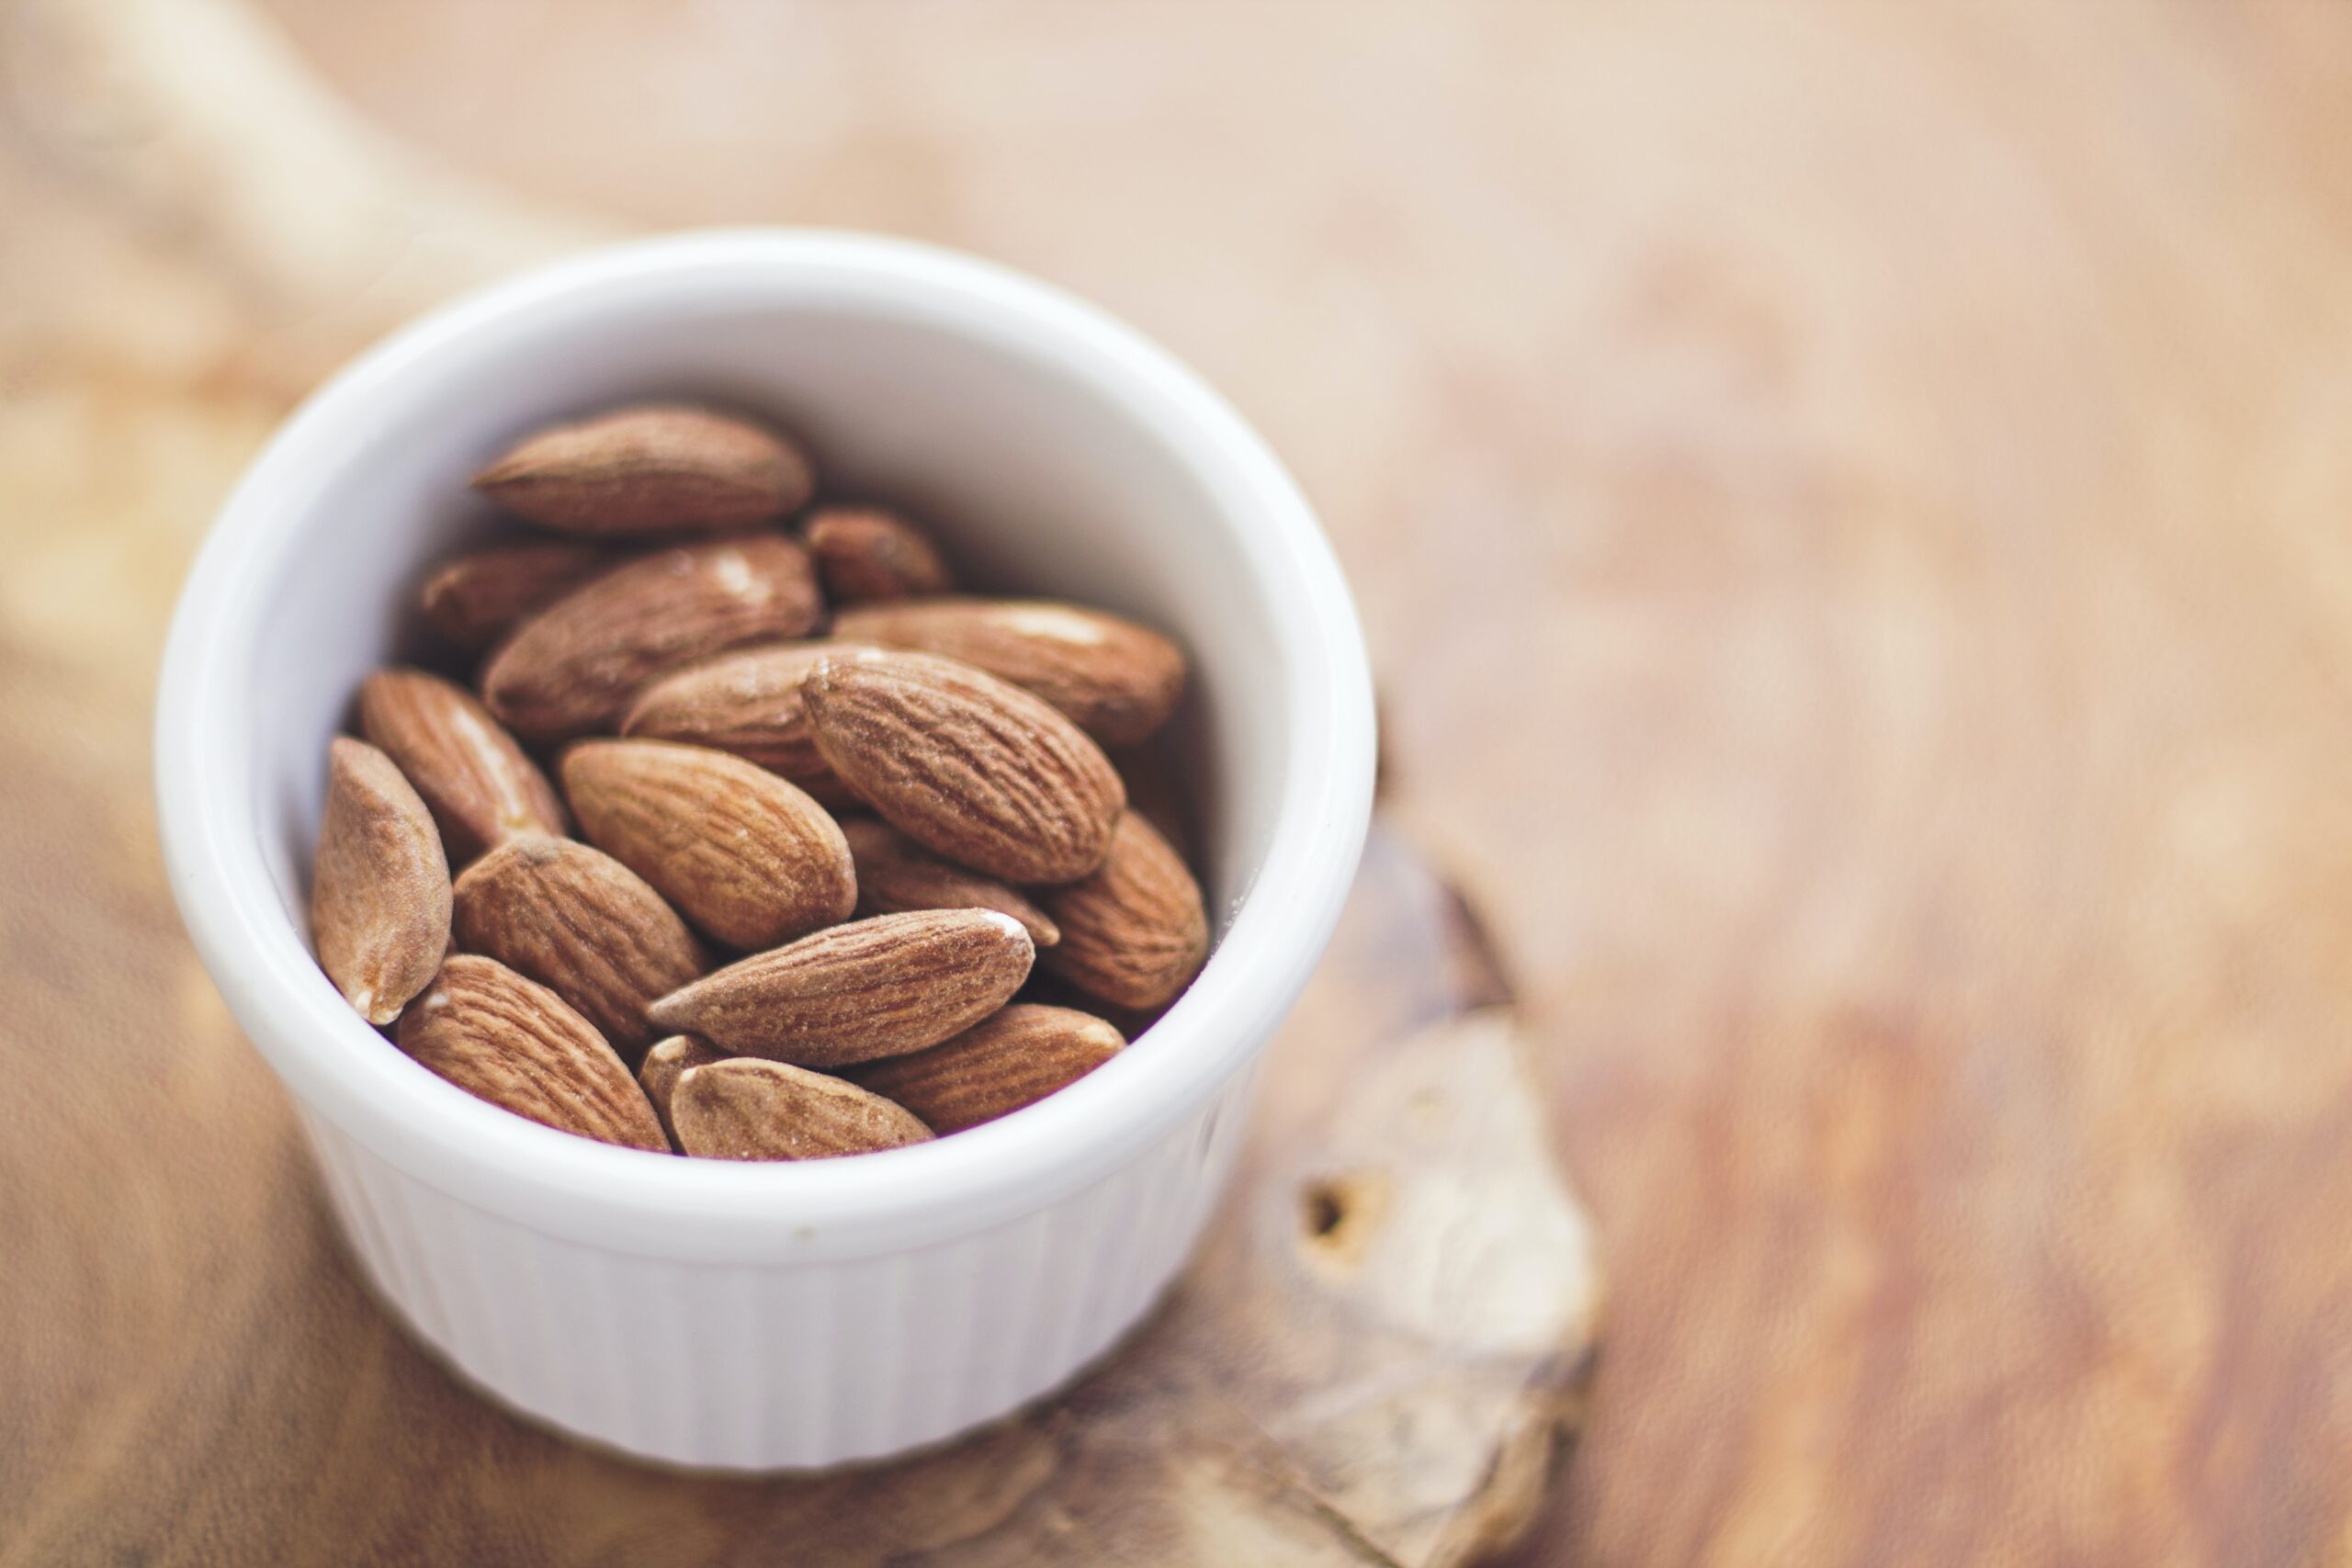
{"x":1016,"y":1057}
{"x":754,"y":1110}
{"x":582,"y":924}
{"x":864,"y":553}
{"x":1135,"y":933}
{"x":877,"y":988}
{"x":476,"y":781}
{"x":513,"y":1042}
{"x":380,"y":885}
{"x":476,"y":599}
{"x":658,"y":1073}
{"x":895,"y":874}
{"x":747,"y":856}
{"x":1116,"y":680}
{"x":574,"y":667}
{"x":655,"y":468}
{"x":966,"y":765}
{"x":749,"y":703}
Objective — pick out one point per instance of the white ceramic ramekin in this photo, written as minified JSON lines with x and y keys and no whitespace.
{"x":704,"y":1312}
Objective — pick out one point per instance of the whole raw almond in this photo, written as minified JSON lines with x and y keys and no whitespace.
{"x":1118,"y":680}
{"x":513,"y":1043}
{"x":747,"y":856}
{"x":475,"y":599}
{"x":1014,"y":1057}
{"x":654,"y":468}
{"x":875,"y":987}
{"x":582,"y":924}
{"x":895,"y":874}
{"x":476,"y":781}
{"x":380,"y":884}
{"x":1135,"y":933}
{"x":754,"y":1109}
{"x":866,"y":553}
{"x":658,"y":1073}
{"x":574,"y":667}
{"x":746,"y":703}
{"x":965,"y":764}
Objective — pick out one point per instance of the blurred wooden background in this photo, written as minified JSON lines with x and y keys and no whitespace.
{"x":1852,"y":504}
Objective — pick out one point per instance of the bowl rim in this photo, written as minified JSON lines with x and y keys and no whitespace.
{"x":658,"y":1204}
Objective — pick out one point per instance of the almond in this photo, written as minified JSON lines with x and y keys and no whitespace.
{"x":380,"y":885}
{"x":895,"y":874}
{"x":746,"y":855}
{"x":754,"y":1110}
{"x":514,"y":1044}
{"x":875,"y":987}
{"x":1135,"y":933}
{"x":476,"y":598}
{"x":657,"y":1075}
{"x":1118,"y":681}
{"x":582,"y":924}
{"x":654,"y":468}
{"x":1016,"y":1057}
{"x":749,"y":703}
{"x":965,"y":764}
{"x":866,"y":553}
{"x":574,"y":667}
{"x":475,"y":780}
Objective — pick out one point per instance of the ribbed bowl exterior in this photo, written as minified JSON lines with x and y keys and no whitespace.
{"x":781,"y":1365}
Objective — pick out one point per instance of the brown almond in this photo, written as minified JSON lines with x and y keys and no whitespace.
{"x":895,"y":874}
{"x":754,"y":1109}
{"x":582,"y":924}
{"x":574,"y":667}
{"x":875,"y":987}
{"x":380,"y":884}
{"x":513,"y":1043}
{"x":475,"y":599}
{"x":1014,"y":1057}
{"x":1135,"y":933}
{"x":1116,"y":680}
{"x":966,"y":765}
{"x":478,"y":784}
{"x":746,"y":703}
{"x":654,"y":468}
{"x":657,"y":1075}
{"x":866,"y":553}
{"x":747,"y":856}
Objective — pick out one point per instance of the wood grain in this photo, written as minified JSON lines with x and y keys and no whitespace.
{"x":1851,"y":505}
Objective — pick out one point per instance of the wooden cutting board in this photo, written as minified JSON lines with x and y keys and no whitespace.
{"x":1374,"y":1359}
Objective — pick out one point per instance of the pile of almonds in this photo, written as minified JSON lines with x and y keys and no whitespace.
{"x":828,"y":815}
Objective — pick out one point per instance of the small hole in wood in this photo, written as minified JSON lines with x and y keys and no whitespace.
{"x":1326,"y":1207}
{"x":1339,"y":1217}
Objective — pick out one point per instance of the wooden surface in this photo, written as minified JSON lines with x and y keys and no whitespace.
{"x":1854,"y":508}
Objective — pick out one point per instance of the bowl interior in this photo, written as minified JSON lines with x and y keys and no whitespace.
{"x":1034,"y":482}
